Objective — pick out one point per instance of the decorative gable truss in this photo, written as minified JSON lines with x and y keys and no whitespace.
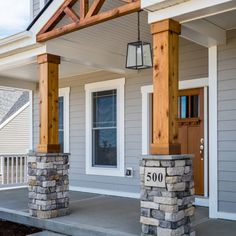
{"x":89,"y":14}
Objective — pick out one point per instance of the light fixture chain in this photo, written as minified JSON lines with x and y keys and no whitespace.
{"x":138,"y":25}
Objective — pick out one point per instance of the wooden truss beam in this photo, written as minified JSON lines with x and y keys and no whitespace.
{"x":95,"y":7}
{"x":88,"y":16}
{"x":84,"y":7}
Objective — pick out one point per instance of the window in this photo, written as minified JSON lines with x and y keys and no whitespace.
{"x":189,"y":106}
{"x":63,"y":118}
{"x":105,"y":128}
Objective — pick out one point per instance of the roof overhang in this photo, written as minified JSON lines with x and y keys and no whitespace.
{"x":155,"y":5}
{"x":184,"y":11}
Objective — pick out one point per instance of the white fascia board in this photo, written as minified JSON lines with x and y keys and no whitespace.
{"x":204,"y":33}
{"x":24,"y":57}
{"x":191,"y":10}
{"x":154,"y":5}
{"x":15,"y":37}
{"x":15,"y":42}
{"x":43,"y":19}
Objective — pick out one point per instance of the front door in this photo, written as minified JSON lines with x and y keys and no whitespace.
{"x":191,"y":131}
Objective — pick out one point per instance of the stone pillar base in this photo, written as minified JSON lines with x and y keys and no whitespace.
{"x":48,"y":185}
{"x":167,"y":195}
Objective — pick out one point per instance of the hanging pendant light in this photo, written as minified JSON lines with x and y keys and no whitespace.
{"x":139,"y":53}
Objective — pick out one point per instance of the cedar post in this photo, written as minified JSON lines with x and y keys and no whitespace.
{"x":48,"y":103}
{"x":165,"y":87}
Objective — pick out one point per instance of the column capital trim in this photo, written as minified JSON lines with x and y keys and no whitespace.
{"x":48,"y":58}
{"x":166,"y":25}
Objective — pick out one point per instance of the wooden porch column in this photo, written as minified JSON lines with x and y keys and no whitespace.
{"x":48,"y":103}
{"x":165,"y":87}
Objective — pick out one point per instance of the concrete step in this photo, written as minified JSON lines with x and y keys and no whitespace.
{"x":46,"y":233}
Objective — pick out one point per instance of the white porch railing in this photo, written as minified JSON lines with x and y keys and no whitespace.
{"x":13,"y":169}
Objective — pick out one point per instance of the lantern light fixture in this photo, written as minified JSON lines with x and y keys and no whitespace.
{"x":139,"y":53}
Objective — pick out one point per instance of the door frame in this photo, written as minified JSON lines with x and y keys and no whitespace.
{"x":185,"y":84}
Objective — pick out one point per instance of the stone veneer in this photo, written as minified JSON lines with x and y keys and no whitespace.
{"x":48,"y":185}
{"x":167,"y":211}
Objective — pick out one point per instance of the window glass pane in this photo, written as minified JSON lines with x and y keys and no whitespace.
{"x":61,"y":122}
{"x":104,"y":147}
{"x":184,"y":107}
{"x":194,"y":106}
{"x":104,"y":109}
{"x":104,"y":128}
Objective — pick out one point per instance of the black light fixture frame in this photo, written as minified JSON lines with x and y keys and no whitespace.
{"x":137,"y":44}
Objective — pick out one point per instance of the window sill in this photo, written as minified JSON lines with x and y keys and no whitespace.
{"x":114,"y":172}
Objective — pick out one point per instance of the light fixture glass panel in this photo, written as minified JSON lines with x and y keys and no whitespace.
{"x":139,"y":49}
{"x":131,"y":55}
{"x":147,"y":55}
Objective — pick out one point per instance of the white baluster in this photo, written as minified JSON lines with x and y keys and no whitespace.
{"x":2,"y":168}
{"x":25,"y":169}
{"x":21,"y":170}
{"x":8,"y":170}
{"x":17,"y":163}
{"x":12,"y":169}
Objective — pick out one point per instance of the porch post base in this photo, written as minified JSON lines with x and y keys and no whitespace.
{"x":48,"y":184}
{"x":167,"y":195}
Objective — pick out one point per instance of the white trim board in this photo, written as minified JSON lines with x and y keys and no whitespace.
{"x":213,"y":146}
{"x":65,"y":93}
{"x":191,"y":10}
{"x":225,"y":215}
{"x":13,"y":187}
{"x":117,"y":84}
{"x":186,"y":84}
{"x":105,"y":192}
{"x":201,"y":201}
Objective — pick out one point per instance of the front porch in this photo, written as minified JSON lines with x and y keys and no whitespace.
{"x":94,"y":214}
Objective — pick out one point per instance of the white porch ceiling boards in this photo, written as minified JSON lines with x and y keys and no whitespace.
{"x":226,"y":20}
{"x":111,"y":36}
{"x":31,"y":73}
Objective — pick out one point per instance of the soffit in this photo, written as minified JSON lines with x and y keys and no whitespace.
{"x":226,"y":20}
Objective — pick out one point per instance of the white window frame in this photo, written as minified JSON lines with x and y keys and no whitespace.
{"x":117,"y":84}
{"x":186,"y":84}
{"x":65,"y":93}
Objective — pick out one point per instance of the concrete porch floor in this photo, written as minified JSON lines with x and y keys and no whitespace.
{"x":100,"y":215}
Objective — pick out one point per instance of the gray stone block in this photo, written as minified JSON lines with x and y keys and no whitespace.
{"x":157,"y":214}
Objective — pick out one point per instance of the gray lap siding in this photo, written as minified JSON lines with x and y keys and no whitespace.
{"x":227,"y":124}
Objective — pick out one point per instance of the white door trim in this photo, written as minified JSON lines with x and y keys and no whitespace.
{"x":186,"y":84}
{"x":65,"y":93}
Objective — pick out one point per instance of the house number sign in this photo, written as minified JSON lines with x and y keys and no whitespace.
{"x":155,"y":177}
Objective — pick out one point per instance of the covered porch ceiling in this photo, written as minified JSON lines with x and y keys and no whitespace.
{"x":103,"y":46}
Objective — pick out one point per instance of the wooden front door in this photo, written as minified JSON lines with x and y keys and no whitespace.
{"x":191,"y":131}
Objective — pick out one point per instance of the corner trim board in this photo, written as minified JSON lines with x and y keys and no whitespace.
{"x":213,"y":146}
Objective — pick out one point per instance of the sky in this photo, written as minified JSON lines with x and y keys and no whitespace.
{"x":14,"y":16}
